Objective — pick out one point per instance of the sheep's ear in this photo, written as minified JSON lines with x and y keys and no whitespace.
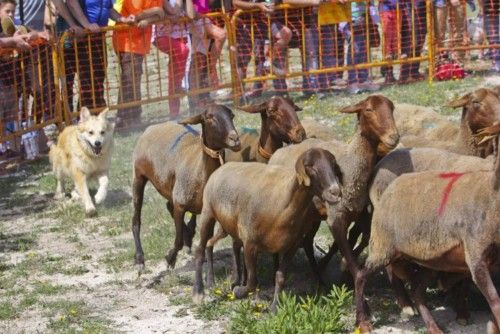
{"x":192,"y":120}
{"x":302,"y":177}
{"x":254,"y":108}
{"x":460,"y":102}
{"x":290,"y":101}
{"x":358,"y":107}
{"x":84,"y":114}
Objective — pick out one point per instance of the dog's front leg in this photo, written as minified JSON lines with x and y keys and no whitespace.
{"x":59,"y":188}
{"x":81,"y":186}
{"x":103,"y":189}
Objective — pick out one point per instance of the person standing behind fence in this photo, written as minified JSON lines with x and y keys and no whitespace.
{"x":491,"y":12}
{"x":453,"y":13}
{"x":172,"y":39}
{"x":414,"y":27}
{"x":330,"y":15}
{"x":280,"y":36}
{"x":131,"y":46}
{"x":359,"y":45}
{"x":389,"y":15}
{"x":89,"y":58}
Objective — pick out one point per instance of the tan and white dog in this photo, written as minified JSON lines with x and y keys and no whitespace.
{"x":83,"y":152}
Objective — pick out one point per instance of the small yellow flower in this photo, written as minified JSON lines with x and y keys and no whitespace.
{"x":218,"y":292}
{"x":62,"y":318}
{"x":250,"y":293}
{"x":72,"y":311}
{"x":304,"y":306}
{"x":257,"y":314}
{"x":260,"y":305}
{"x":231,"y":296}
{"x":31,"y":254}
{"x":257,"y":290}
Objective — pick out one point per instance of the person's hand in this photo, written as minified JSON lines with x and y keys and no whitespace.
{"x":143,"y":24}
{"x":77,"y":31}
{"x":455,"y":3}
{"x":265,"y":7}
{"x":93,"y":27}
{"x":127,"y":20}
{"x":343,"y":1}
{"x":20,"y":42}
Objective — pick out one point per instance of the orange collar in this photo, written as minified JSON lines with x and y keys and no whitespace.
{"x":263,"y":153}
{"x":213,"y":153}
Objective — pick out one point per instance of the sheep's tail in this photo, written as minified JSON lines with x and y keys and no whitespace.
{"x":52,"y":132}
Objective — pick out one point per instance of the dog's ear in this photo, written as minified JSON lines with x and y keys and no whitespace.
{"x":103,"y":114}
{"x":84,"y":114}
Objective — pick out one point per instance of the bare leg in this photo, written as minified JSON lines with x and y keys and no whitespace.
{"x":138,"y":186}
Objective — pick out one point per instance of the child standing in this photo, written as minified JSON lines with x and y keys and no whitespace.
{"x":388,"y":10}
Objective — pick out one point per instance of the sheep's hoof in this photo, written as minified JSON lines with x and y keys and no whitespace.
{"x":240,"y":292}
{"x":364,"y":327}
{"x":171,"y":258}
{"x":408,"y":311}
{"x":491,"y":328}
{"x":140,"y":268}
{"x":197,"y":298}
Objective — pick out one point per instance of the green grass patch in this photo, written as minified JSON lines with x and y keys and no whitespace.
{"x":8,"y":311}
{"x":325,"y":314}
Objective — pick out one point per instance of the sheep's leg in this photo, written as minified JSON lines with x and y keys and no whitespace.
{"x":250,"y":253}
{"x":171,"y":256}
{"x":236,"y":278}
{"x":418,"y":286}
{"x":279,"y":280}
{"x":363,"y":227}
{"x":459,"y":292}
{"x":206,"y":232}
{"x":339,"y":229}
{"x":402,"y":298}
{"x":362,"y":311}
{"x":481,"y":276}
{"x":189,"y":232}
{"x":309,"y":250}
{"x":138,"y":186}
{"x":220,"y":234}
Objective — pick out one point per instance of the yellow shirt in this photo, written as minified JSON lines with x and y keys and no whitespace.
{"x":118,"y":7}
{"x":332,"y":13}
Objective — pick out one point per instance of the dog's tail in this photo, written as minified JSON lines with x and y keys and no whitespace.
{"x":52,"y":132}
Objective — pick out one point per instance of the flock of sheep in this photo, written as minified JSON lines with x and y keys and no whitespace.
{"x":437,"y":221}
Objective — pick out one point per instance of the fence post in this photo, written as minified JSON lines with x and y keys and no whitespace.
{"x":430,"y":39}
{"x":233,"y":58}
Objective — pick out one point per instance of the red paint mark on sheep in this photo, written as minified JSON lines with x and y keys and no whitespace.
{"x":447,"y":190}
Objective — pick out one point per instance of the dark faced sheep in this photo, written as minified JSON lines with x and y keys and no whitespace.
{"x":264,"y":208}
{"x":280,"y":125}
{"x":178,"y":163}
{"x":356,"y":160}
{"x":441,"y":221}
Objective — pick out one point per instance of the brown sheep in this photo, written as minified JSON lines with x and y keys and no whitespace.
{"x":443,"y":222}
{"x":280,"y":125}
{"x":264,"y":208}
{"x":479,"y":110}
{"x":178,"y":163}
{"x":375,"y":126}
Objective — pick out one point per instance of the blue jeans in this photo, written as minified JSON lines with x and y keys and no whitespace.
{"x":332,"y":54}
{"x":417,"y":20}
{"x":310,"y":82}
{"x":358,"y":45}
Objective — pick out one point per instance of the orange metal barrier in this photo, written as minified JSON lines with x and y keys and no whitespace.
{"x":306,"y":49}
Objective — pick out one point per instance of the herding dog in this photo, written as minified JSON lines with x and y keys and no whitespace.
{"x":83,"y":152}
